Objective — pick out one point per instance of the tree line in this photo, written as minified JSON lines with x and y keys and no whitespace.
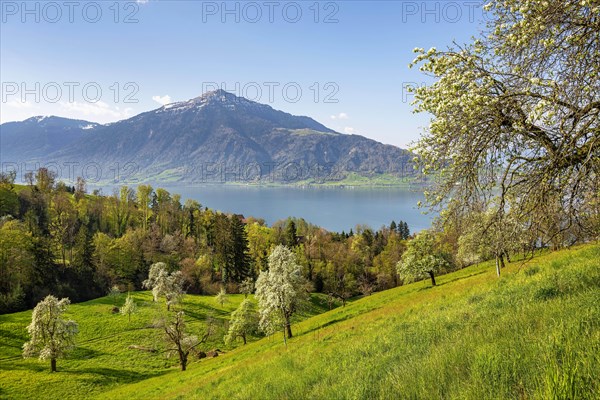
{"x":61,"y":240}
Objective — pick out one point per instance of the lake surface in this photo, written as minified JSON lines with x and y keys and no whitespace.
{"x":335,"y":209}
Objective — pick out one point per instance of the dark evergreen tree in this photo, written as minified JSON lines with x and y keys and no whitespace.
{"x":240,"y":259}
{"x":291,"y":237}
{"x":403,"y":230}
{"x":223,"y":246}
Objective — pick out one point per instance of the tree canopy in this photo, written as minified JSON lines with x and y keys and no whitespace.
{"x":516,"y":113}
{"x":421,"y":259}
{"x":244,"y":320}
{"x":165,"y":284}
{"x":51,"y":335}
{"x":281,"y":291}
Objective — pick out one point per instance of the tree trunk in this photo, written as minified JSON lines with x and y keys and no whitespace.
{"x":244,"y":337}
{"x":288,"y":327}
{"x":432,"y":278}
{"x":182,"y":361}
{"x":53,"y":364}
{"x":502,"y":265}
{"x":497,"y":266}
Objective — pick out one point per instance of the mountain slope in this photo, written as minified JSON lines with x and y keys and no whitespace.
{"x":38,"y":136}
{"x":218,"y":137}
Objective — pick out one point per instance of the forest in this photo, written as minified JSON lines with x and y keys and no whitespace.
{"x":58,"y":239}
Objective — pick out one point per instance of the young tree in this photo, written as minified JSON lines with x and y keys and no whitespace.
{"x":80,"y":188}
{"x":180,"y":342}
{"x":114,"y":293}
{"x":51,"y":335}
{"x":129,"y":307}
{"x":421,"y":259}
{"x":490,"y":235}
{"x":280,"y":291}
{"x":339,"y":281}
{"x":164,"y":284}
{"x":244,"y":320}
{"x":222,"y":297}
{"x":62,"y":223}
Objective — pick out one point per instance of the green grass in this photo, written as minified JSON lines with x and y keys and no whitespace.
{"x":307,"y":132}
{"x":353,"y":179}
{"x":102,"y":358}
{"x":534,"y":333}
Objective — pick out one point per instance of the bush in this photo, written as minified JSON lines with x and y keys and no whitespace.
{"x":532,"y":270}
{"x":546,"y":293}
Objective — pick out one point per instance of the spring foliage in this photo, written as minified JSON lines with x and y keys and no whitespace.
{"x":281,"y":291}
{"x":165,"y":284}
{"x":244,"y":320}
{"x":516,"y":113}
{"x":421,"y":259}
{"x":51,"y":335}
{"x":129,"y":307}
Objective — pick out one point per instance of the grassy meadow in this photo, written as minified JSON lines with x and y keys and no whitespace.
{"x":534,"y":333}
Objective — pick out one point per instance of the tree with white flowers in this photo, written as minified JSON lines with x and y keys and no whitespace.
{"x":165,"y":284}
{"x":421,"y":259}
{"x":129,"y":307}
{"x":51,"y":335}
{"x":247,"y":287}
{"x":222,"y":297}
{"x":244,"y":320}
{"x":281,"y":291}
{"x":516,"y":114}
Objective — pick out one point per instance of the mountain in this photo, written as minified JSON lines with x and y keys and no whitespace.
{"x":38,"y":136}
{"x":216,"y":137}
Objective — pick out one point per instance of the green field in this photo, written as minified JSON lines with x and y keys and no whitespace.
{"x":532,"y":334}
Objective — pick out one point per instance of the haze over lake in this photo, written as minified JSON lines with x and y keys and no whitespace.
{"x":335,"y":209}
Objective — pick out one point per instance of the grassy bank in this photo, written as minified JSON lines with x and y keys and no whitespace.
{"x":534,"y":333}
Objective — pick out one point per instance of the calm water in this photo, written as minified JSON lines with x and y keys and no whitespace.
{"x":335,"y":209}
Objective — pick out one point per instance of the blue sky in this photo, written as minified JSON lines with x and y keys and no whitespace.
{"x":342,"y":63}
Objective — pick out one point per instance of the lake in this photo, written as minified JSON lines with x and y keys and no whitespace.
{"x":335,"y":209}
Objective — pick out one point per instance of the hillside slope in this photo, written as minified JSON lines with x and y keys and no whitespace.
{"x":103,"y":359}
{"x":534,"y":333}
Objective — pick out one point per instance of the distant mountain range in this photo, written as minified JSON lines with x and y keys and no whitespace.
{"x":217,"y":137}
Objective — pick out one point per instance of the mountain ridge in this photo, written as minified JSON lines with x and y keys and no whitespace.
{"x":216,"y":137}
